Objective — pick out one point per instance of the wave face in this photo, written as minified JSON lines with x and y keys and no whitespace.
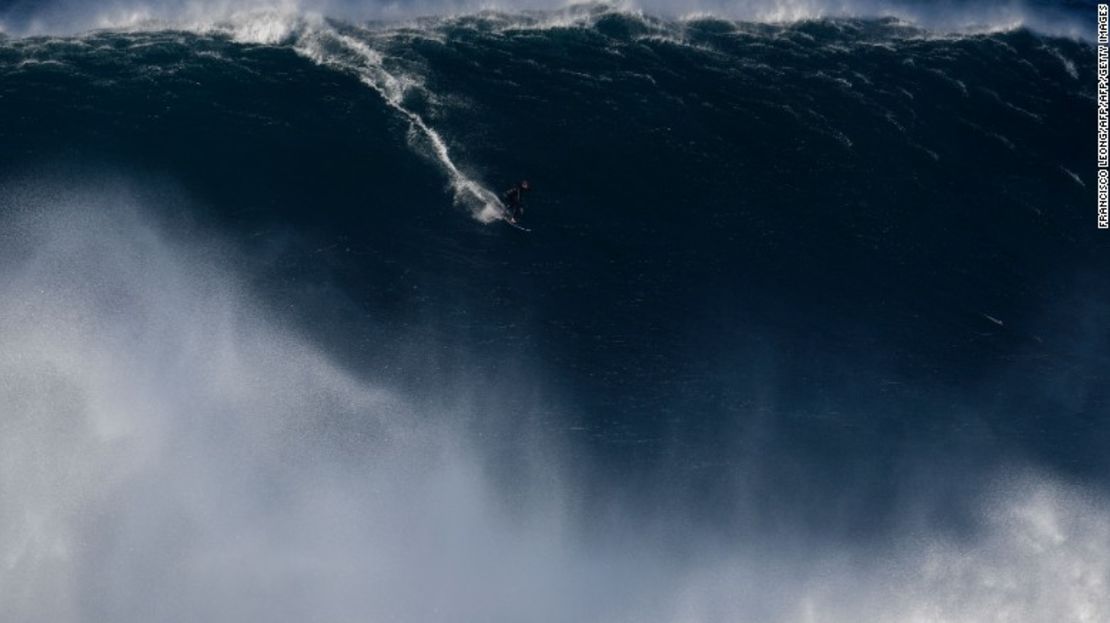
{"x":809,"y":326}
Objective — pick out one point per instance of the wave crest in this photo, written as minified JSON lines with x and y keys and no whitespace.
{"x":71,"y":16}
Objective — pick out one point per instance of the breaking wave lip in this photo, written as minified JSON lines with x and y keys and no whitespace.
{"x":66,"y":17}
{"x":172,"y":452}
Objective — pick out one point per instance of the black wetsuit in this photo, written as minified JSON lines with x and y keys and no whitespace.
{"x":514,"y":201}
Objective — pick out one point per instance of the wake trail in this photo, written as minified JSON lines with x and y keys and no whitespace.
{"x":368,"y":64}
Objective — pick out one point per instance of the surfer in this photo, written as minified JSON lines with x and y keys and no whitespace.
{"x":514,"y":200}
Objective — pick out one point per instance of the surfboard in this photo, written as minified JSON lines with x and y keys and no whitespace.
{"x":512,"y":224}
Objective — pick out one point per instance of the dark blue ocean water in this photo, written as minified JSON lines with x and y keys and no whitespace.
{"x":847,"y":264}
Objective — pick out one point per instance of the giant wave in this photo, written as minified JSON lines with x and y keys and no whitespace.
{"x":807,"y":330}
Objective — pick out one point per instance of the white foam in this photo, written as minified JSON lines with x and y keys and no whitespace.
{"x":72,"y":16}
{"x":1038,"y":556}
{"x":1069,"y":65}
{"x":1073,"y":175}
{"x":346,"y":53}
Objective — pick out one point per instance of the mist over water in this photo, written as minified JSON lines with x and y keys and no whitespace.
{"x":173,"y":452}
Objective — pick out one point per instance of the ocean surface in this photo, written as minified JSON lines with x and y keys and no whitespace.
{"x":812,"y":322}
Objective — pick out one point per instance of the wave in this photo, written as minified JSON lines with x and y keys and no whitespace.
{"x":178,"y":445}
{"x":382,"y":57}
